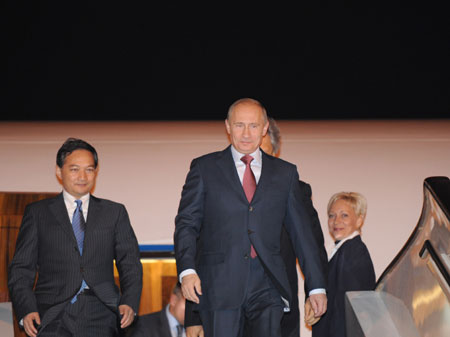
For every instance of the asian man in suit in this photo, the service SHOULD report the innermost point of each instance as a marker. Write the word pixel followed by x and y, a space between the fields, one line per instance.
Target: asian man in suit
pixel 168 322
pixel 71 242
pixel 228 231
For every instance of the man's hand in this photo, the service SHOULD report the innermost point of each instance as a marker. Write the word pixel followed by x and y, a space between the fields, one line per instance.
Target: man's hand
pixel 318 304
pixel 310 319
pixel 195 331
pixel 28 323
pixel 127 315
pixel 191 286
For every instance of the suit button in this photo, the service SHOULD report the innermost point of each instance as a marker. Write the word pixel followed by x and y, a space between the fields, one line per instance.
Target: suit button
pixel 250 231
pixel 250 208
pixel 246 256
pixel 82 270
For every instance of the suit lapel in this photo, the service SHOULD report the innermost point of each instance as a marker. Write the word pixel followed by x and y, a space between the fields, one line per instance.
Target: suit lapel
pixel 226 164
pixel 93 218
pixel 59 210
pixel 267 173
pixel 94 213
pixel 164 326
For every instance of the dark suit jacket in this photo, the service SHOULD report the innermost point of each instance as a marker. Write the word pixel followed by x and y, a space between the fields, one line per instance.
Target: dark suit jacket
pixel 290 324
pixel 215 226
pixel 350 269
pixel 151 325
pixel 46 244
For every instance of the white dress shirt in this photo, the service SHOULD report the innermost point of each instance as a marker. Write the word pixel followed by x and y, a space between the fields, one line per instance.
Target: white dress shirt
pixel 71 205
pixel 256 164
pixel 173 323
pixel 341 242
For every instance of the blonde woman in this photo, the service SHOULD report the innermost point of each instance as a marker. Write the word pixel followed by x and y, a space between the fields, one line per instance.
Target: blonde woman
pixel 350 267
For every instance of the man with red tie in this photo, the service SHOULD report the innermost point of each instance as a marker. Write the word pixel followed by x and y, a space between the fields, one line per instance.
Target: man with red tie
pixel 227 236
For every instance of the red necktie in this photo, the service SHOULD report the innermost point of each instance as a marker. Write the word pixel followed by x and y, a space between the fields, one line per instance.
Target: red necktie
pixel 249 184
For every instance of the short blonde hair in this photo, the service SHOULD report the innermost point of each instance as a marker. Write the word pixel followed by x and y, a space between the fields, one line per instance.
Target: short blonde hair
pixel 356 200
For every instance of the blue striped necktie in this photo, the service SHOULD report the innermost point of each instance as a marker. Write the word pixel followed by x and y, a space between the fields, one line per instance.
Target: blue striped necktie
pixel 179 330
pixel 79 225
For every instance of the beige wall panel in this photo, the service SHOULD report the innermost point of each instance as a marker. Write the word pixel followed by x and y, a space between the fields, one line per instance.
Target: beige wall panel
pixel 144 164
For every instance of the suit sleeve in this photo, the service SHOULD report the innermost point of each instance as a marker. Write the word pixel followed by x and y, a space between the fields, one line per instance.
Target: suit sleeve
pixel 355 272
pixel 128 261
pixel 147 325
pixel 317 229
pixel 137 329
pixel 191 317
pixel 358 272
pixel 22 270
pixel 300 228
pixel 189 219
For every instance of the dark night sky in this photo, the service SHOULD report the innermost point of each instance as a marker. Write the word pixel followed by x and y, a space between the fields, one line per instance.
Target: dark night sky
pixel 128 61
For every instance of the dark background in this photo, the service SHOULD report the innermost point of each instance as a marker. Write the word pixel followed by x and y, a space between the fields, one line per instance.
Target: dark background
pixel 142 61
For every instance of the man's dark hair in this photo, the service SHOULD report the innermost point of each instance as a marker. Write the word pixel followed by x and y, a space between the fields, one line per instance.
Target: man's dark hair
pixel 72 144
pixel 177 289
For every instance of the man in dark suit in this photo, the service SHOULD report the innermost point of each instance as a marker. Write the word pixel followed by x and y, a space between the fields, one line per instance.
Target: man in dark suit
pixel 165 323
pixel 290 323
pixel 228 232
pixel 75 293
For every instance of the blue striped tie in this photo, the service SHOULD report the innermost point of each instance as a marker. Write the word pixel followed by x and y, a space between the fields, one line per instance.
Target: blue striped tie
pixel 179 330
pixel 78 226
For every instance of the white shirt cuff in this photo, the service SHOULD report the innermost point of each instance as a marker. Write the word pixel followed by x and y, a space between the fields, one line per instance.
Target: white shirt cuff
pixel 317 291
pixel 186 272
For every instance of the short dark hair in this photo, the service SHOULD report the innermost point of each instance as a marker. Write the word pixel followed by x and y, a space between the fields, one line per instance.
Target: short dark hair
pixel 72 144
pixel 177 289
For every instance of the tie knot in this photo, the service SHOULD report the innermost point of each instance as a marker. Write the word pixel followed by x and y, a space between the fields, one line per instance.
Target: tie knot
pixel 79 203
pixel 247 159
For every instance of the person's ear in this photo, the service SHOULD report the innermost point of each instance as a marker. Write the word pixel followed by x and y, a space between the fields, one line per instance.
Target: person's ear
pixel 228 126
pixel 266 127
pixel 173 299
pixel 58 172
pixel 359 222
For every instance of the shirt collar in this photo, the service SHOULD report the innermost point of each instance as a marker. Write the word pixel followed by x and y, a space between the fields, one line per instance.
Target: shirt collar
pixel 256 156
pixel 70 199
pixel 351 236
pixel 171 318
pixel 336 247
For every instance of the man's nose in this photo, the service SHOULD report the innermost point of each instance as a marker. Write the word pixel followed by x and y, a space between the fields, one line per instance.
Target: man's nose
pixel 82 175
